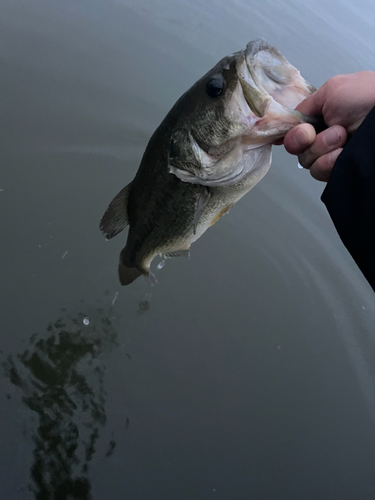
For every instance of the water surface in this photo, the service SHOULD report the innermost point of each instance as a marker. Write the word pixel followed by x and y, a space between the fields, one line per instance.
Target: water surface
pixel 249 372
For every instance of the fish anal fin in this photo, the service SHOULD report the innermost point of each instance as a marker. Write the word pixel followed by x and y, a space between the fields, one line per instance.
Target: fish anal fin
pixel 116 218
pixel 178 253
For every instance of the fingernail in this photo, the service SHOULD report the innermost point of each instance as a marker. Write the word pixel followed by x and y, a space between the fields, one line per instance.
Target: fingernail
pixel 331 136
pixel 301 139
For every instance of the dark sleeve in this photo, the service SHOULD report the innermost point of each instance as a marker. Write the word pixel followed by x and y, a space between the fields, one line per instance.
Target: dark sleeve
pixel 350 197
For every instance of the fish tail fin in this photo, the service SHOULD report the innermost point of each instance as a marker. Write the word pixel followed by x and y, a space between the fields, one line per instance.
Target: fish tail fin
pixel 128 274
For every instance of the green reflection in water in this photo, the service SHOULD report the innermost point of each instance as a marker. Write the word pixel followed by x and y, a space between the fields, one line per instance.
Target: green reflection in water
pixel 61 376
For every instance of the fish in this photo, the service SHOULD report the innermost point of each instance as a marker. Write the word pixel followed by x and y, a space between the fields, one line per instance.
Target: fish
pixel 212 148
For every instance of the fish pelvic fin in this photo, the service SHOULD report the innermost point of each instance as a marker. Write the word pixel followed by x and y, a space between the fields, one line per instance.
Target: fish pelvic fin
pixel 222 212
pixel 116 218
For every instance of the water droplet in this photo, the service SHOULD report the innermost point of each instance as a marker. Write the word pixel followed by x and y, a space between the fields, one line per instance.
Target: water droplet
pixel 161 264
pixel 115 298
pixel 86 321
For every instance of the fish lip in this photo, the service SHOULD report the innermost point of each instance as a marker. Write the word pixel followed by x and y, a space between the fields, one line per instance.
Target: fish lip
pixel 255 46
pixel 251 50
pixel 262 96
pixel 265 96
pixel 259 44
pixel 256 98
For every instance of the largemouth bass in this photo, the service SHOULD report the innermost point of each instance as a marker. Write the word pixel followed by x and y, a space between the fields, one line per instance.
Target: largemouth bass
pixel 212 147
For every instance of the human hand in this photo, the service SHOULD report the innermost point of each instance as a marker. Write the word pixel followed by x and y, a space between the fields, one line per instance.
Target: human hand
pixel 344 101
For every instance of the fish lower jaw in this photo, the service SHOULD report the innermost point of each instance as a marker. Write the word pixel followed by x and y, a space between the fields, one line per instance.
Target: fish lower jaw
pixel 271 128
pixel 276 122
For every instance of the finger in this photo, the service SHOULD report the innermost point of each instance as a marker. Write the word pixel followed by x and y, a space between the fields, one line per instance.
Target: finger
pixel 313 105
pixel 328 140
pixel 321 169
pixel 299 138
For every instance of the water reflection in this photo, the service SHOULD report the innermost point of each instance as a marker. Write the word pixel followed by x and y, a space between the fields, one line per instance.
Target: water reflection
pixel 144 304
pixel 61 376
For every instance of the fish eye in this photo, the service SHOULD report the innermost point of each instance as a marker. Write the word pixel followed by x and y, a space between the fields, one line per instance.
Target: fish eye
pixel 215 86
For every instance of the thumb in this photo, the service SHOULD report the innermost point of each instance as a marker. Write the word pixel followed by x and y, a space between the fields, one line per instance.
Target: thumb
pixel 312 105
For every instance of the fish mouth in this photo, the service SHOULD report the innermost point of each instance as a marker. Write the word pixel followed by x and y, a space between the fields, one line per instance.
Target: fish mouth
pixel 272 88
pixel 272 72
pixel 263 102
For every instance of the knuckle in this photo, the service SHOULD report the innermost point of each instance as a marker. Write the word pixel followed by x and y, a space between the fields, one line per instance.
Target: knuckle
pixel 336 81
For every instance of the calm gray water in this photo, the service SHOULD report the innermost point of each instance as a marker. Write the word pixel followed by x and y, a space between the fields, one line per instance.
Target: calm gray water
pixel 249 372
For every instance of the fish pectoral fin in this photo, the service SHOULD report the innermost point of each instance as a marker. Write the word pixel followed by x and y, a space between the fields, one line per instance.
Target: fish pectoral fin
pixel 116 218
pixel 202 200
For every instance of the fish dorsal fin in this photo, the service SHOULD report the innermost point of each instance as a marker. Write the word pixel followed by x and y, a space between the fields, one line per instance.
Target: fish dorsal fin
pixel 115 218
